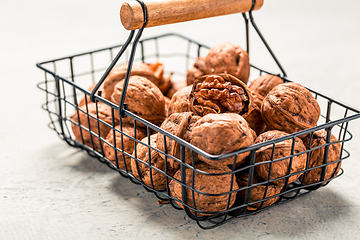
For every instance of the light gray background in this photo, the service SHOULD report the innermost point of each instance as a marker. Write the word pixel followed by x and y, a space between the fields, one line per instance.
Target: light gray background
pixel 51 191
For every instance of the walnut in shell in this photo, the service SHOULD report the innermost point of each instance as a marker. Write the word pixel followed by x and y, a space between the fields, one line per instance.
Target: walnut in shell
pixel 122 142
pixel 228 58
pixel 154 179
pixel 143 99
pixel 290 107
pixel 258 192
pixel 118 73
pixel 279 168
pixel 263 84
pixel 316 157
pixel 219 94
pixel 178 124
pixel 180 101
pixel 223 133
pixel 89 116
pixel 221 184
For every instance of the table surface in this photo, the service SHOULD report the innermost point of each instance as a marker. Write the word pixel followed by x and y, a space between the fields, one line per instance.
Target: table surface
pixel 49 190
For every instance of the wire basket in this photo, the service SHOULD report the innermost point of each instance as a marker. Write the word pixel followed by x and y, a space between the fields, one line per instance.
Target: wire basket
pixel 67 80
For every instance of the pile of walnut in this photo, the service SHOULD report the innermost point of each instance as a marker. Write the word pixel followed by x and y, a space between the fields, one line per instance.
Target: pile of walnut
pixel 219 113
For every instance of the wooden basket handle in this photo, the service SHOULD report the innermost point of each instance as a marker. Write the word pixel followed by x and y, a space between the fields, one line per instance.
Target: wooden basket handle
pixel 161 12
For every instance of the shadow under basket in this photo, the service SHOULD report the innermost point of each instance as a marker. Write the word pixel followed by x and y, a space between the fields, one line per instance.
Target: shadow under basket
pixel 67 80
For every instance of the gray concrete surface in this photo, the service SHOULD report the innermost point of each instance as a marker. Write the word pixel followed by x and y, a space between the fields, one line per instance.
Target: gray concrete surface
pixel 51 191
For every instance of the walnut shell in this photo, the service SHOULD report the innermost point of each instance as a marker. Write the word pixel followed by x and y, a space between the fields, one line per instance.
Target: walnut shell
pixel 122 142
pixel 263 84
pixel 258 193
pixel 228 58
pixel 291 108
pixel 222 133
pixel 281 149
pixel 143 99
pixel 165 85
pixel 220 93
pixel 180 101
pixel 316 157
pixel 196 71
pixel 141 171
pixel 254 118
pixel 220 186
pixel 164 82
pixel 118 73
pixel 176 124
pixel 89 117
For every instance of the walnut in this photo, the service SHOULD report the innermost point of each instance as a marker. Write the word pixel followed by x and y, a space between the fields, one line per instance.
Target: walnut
pixel 196 71
pixel 118 73
pixel 143 99
pixel 154 179
pixel 223 133
pixel 219 94
pixel 89 117
pixel 279 169
pixel 290 107
pixel 258 192
pixel 316 157
pixel 180 101
pixel 122 142
pixel 228 58
pixel 177 124
pixel 263 84
pixel 254 118
pixel 211 191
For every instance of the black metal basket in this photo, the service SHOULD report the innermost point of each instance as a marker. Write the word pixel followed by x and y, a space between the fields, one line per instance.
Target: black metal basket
pixel 67 80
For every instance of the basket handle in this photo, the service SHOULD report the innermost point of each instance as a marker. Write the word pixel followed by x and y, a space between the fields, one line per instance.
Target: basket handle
pixel 163 12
